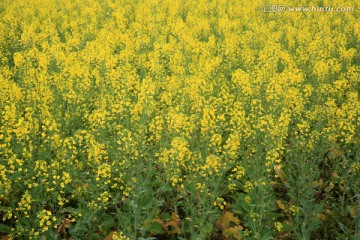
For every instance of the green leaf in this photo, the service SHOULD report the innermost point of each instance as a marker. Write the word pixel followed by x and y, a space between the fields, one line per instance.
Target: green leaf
pixel 78 231
pixel 68 210
pixel 5 209
pixel 244 204
pixel 154 228
pixel 147 202
pixel 106 222
pixel 127 205
pixel 239 203
pixel 5 228
pixel 266 234
pixel 166 217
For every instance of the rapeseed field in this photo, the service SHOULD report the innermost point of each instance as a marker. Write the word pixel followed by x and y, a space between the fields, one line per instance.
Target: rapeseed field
pixel 179 119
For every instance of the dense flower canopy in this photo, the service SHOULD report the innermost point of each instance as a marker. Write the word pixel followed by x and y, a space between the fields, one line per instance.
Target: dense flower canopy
pixel 176 119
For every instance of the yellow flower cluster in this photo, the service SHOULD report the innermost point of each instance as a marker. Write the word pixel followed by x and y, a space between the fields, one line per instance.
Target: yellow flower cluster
pixel 24 204
pixel 45 220
pixel 221 203
pixel 119 236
